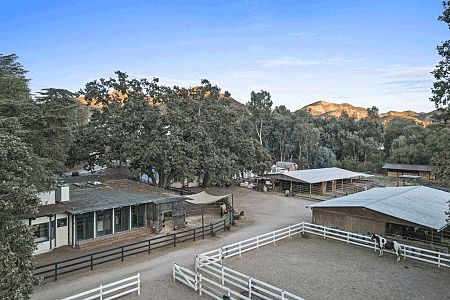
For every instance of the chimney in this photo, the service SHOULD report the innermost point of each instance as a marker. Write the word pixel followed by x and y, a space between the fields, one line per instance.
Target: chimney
pixel 62 193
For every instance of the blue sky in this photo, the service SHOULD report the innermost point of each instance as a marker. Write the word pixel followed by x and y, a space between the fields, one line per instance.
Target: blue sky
pixel 360 52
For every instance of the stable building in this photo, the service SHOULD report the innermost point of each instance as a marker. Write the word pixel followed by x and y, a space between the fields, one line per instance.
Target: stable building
pixel 317 181
pixel 409 171
pixel 81 212
pixel 414 213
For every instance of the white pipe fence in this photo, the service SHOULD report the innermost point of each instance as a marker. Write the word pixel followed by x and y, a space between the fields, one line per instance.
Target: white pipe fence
pixel 407 251
pixel 210 263
pixel 111 291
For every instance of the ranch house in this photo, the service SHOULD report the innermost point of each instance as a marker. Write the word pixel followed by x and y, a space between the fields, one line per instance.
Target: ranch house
pixel 79 213
pixel 413 213
pixel 405 171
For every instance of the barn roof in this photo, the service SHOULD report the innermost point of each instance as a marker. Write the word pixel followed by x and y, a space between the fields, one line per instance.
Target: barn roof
pixel 318 175
pixel 422 168
pixel 417 204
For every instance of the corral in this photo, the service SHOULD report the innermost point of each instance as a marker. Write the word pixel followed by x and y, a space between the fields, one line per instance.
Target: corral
pixel 321 271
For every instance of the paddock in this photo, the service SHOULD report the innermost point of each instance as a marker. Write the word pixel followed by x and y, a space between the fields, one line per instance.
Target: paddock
pixel 316 268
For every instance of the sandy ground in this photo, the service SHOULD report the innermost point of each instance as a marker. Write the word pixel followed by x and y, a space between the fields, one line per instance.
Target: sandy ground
pixel 317 268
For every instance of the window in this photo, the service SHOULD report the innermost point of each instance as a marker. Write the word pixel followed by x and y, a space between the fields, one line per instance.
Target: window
pixel 62 222
pixel 41 233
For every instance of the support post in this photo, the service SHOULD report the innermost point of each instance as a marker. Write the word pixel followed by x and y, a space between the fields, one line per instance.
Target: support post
pixel 92 262
pixel 101 292
pixel 203 226
pixel 199 284
pixel 56 271
pixel 149 246
pixel 139 284
pixel 250 288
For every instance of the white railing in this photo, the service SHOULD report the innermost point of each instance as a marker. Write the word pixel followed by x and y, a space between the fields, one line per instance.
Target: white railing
pixel 425 255
pixel 112 290
pixel 210 263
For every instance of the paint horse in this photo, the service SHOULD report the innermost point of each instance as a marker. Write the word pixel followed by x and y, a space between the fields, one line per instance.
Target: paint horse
pixel 382 243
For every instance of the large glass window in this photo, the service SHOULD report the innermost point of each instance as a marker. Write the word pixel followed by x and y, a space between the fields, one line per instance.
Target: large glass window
pixel 134 217
pixel 125 218
pixel 41 232
pixel 85 226
pixel 141 215
pixel 104 219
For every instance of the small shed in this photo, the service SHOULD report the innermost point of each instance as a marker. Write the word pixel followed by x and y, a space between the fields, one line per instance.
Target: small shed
pixel 398 170
pixel 413 212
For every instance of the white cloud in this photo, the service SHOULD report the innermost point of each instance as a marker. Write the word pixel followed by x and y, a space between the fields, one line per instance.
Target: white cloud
pixel 297 61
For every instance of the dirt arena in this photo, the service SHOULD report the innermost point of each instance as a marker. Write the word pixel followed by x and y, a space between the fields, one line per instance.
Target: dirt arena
pixel 317 268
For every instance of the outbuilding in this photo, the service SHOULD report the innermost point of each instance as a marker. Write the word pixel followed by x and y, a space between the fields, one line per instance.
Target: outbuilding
pixel 317 181
pixel 399 170
pixel 414 212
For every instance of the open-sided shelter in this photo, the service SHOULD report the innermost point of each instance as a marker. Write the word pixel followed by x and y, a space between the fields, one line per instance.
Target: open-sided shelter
pixel 314 181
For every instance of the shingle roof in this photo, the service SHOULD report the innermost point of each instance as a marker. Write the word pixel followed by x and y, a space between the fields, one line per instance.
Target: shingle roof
pixel 422 168
pixel 319 175
pixel 417 204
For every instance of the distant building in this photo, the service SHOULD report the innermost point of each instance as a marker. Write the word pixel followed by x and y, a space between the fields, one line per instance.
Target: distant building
pixel 88 211
pixel 283 166
pixel 314 181
pixel 397 170
pixel 414 212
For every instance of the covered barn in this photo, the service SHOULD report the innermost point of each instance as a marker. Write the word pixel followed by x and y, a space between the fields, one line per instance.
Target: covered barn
pixel 414 213
pixel 315 181
pixel 399 170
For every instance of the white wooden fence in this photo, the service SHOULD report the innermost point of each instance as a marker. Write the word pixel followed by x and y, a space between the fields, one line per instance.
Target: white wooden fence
pixel 111 291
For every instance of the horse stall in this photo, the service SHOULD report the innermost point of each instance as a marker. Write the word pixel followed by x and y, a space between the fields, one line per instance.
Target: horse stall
pixel 412 215
pixel 168 213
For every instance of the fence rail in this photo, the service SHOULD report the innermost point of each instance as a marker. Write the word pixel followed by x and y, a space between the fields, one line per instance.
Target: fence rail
pixel 407 251
pixel 89 261
pixel 111 291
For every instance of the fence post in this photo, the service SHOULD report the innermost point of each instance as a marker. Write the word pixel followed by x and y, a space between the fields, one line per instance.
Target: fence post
pixel 122 253
pixel 196 262
pixel 56 271
pixel 174 239
pixel 149 246
pixel 139 284
pixel 348 237
pixel 200 284
pixel 250 288
pixel 289 231
pixel 223 276
pixel 439 260
pixel 220 255
pixel 173 271
pixel 282 295
pixel 212 228
pixel 257 242
pixel 224 224
pixel 240 253
pixel 101 292
pixel 92 262
pixel 273 233
pixel 194 234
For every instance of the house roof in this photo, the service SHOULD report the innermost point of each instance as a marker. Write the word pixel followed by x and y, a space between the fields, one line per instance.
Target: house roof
pixel 317 175
pixel 112 194
pixel 423 168
pixel 416 204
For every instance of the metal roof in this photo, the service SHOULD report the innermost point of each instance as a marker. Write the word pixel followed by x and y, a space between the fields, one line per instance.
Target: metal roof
pixel 423 168
pixel 91 199
pixel 318 175
pixel 416 204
